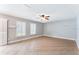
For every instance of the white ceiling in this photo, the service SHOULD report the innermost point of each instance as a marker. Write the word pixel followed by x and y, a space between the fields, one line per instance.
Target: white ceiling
pixel 32 11
pixel 56 12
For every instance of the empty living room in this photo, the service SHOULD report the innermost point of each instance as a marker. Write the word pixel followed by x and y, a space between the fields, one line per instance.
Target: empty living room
pixel 39 29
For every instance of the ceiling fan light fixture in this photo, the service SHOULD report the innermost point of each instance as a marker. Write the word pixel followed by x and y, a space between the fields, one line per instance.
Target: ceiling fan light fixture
pixel 44 17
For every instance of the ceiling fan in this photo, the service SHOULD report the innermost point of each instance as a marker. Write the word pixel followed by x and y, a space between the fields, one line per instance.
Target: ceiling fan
pixel 44 17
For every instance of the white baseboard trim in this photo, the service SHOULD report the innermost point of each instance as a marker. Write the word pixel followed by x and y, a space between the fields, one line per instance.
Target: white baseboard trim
pixel 59 37
pixel 77 44
pixel 35 36
pixel 3 44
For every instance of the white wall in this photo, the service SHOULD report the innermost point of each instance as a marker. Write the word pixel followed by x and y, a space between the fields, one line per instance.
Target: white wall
pixel 62 29
pixel 77 40
pixel 12 28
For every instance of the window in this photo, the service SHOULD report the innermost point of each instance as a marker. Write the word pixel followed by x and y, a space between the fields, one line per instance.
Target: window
pixel 32 28
pixel 20 28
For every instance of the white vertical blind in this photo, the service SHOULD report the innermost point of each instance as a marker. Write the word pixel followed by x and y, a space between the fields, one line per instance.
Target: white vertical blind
pixel 20 28
pixel 3 31
pixel 32 28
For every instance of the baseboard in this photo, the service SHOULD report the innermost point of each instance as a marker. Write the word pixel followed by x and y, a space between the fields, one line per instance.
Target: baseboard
pixel 59 37
pixel 35 36
pixel 77 44
pixel 3 44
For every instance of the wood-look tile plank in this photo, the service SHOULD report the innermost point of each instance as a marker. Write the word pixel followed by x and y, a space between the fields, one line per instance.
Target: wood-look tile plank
pixel 41 46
